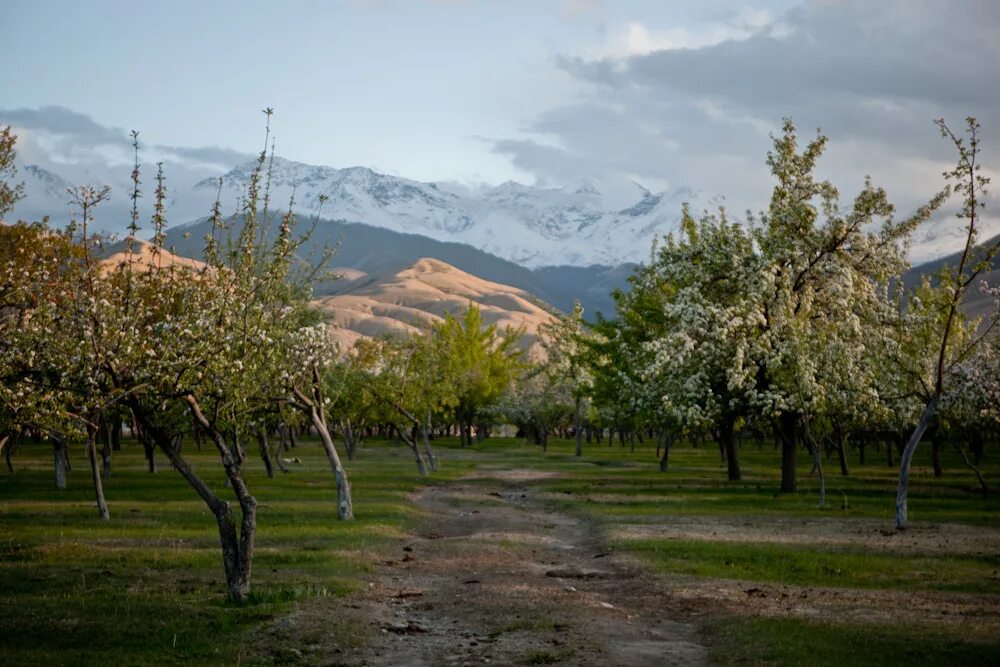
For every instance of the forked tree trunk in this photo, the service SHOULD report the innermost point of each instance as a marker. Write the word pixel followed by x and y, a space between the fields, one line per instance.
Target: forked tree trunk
pixel 237 539
pixel 95 473
pixel 236 536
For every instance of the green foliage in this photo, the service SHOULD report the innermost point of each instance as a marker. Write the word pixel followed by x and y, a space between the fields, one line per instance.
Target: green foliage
pixel 474 362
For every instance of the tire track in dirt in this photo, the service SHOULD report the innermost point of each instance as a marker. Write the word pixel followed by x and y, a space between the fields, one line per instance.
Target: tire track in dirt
pixel 497 575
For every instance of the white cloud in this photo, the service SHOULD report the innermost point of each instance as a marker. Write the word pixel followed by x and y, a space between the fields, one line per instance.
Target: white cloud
pixel 693 105
pixel 636 38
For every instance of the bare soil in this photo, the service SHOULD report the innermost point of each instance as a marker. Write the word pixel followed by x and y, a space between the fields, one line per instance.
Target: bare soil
pixel 498 574
pixel 495 575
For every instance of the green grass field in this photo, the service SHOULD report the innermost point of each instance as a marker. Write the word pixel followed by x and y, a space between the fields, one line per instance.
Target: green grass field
pixel 146 587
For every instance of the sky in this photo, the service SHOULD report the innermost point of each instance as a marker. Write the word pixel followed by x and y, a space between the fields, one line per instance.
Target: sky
pixel 546 92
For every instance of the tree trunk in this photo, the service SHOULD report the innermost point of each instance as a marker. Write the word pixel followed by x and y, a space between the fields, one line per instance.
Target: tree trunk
pixel 578 426
pixel 8 451
pixel 935 436
pixel 668 442
pixel 106 449
pixel 95 473
pixel 983 486
pixel 976 445
pixel 348 433
pixel 840 438
pixel 236 538
pixel 345 505
pixel 817 463
pixel 265 453
pixel 727 437
pixel 787 426
pixel 417 456
pixel 237 545
pixel 60 461
pixel 902 507
pixel 427 442
pixel 116 434
pixel 150 454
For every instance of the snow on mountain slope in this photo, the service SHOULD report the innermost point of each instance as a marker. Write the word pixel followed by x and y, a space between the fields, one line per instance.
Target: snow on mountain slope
pixel 581 225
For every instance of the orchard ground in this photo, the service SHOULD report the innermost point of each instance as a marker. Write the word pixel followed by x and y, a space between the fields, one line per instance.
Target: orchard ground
pixel 507 555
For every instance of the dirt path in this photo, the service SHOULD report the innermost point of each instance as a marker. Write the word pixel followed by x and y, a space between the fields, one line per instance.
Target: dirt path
pixel 498 576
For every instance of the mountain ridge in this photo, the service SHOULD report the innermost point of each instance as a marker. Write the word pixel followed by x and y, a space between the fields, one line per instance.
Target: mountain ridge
pixel 532 226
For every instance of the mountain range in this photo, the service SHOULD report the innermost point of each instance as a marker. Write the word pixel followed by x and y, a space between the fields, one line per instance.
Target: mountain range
pixel 590 223
pixel 579 242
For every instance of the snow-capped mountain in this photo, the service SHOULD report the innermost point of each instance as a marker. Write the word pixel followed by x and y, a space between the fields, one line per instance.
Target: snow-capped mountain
pixel 586 224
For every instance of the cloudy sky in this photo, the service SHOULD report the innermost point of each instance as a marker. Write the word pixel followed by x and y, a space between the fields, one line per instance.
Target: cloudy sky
pixel 669 94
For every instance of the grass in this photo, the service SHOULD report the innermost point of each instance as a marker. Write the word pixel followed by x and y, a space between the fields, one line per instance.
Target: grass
pixel 815 566
pixel 792 641
pixel 147 588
